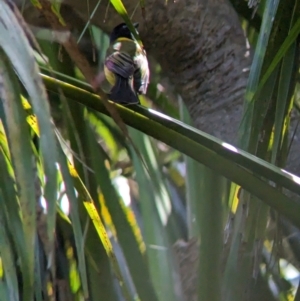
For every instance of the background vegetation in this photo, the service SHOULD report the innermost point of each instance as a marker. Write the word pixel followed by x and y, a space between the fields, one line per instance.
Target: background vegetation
pixel 105 202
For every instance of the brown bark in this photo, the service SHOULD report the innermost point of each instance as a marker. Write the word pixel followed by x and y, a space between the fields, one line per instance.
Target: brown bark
pixel 201 48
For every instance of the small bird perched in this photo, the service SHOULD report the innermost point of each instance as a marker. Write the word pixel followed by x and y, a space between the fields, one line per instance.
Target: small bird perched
pixel 126 71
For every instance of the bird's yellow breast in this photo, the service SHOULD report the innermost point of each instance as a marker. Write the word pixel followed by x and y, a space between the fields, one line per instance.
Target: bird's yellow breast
pixel 110 76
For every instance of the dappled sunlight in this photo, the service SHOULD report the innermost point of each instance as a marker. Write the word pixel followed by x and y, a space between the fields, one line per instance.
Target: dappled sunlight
pixel 163 204
pixel 43 203
pixel 123 188
pixel 289 271
pixel 63 199
pixel 154 112
pixel 148 202
pixel 65 204
pixel 181 166
pixel 162 200
pixel 293 177
pixel 230 147
pixel 160 88
pixel 156 247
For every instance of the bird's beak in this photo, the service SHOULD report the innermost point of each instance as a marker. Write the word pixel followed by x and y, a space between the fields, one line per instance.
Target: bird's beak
pixel 136 25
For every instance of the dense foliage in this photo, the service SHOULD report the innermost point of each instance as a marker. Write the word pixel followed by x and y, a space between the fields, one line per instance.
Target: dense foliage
pixel 107 202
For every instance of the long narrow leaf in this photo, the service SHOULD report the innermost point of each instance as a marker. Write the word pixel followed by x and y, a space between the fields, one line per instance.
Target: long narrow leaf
pixel 10 205
pixel 290 39
pixel 207 194
pixel 205 149
pixel 130 245
pixel 151 122
pixel 17 48
pixel 8 263
pixel 255 71
pixel 78 233
pixel 156 211
pixel 22 157
pixel 287 69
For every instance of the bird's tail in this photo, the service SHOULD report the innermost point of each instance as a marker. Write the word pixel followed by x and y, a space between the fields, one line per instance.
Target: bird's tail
pixel 123 91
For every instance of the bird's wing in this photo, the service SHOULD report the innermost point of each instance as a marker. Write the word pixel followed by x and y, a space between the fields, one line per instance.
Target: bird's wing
pixel 120 63
pixel 141 74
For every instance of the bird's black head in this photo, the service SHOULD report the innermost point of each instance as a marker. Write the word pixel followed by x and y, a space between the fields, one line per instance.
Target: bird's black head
pixel 122 31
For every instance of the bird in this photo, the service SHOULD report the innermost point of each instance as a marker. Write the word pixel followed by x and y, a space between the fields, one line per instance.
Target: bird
pixel 126 71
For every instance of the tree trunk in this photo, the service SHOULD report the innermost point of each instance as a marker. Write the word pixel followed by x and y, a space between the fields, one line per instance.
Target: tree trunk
pixel 201 48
